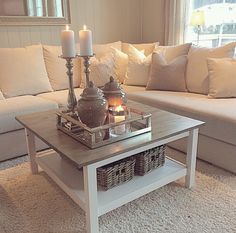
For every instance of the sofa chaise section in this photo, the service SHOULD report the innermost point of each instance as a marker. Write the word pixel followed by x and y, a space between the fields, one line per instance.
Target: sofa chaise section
pixel 12 137
pixel 219 131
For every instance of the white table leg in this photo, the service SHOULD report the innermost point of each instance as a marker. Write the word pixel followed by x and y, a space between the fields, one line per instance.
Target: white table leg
pixel 90 187
pixel 30 139
pixel 191 158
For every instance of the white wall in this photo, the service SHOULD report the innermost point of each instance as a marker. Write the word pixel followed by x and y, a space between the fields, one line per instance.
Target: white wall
pixel 110 20
pixel 153 20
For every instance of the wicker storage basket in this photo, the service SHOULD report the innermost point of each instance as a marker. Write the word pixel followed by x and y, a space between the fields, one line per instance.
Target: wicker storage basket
pixel 149 160
pixel 116 173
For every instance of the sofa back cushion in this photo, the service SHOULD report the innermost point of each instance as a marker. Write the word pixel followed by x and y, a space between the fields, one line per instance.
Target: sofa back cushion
pixel 23 71
pixel 197 72
pixel 147 48
pixel 167 76
pixel 101 50
pixel 56 68
pixel 222 77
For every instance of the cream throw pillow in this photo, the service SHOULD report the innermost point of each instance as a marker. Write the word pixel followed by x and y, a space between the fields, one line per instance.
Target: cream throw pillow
pixel 148 47
pixel 171 52
pixel 167 76
pixel 56 68
pixel 138 67
pixel 197 71
pixel 23 71
pixel 101 70
pixel 222 77
pixel 121 64
pixel 1 96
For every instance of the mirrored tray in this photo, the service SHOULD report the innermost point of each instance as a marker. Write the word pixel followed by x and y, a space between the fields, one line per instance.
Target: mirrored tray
pixel 135 124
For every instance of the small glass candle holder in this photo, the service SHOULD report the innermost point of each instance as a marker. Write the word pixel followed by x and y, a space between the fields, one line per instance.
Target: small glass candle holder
pixel 118 114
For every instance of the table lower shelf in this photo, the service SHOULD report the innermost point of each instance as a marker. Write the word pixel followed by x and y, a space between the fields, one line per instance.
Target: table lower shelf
pixel 70 179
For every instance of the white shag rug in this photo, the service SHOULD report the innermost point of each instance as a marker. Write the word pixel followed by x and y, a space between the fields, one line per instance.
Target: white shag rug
pixel 34 204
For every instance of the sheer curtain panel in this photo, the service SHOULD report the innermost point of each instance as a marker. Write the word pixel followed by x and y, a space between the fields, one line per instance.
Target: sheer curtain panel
pixel 176 13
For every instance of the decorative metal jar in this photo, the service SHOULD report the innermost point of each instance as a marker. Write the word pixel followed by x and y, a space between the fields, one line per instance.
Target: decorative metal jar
pixel 114 93
pixel 92 107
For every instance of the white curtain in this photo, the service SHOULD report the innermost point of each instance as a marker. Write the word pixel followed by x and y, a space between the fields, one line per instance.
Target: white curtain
pixel 176 14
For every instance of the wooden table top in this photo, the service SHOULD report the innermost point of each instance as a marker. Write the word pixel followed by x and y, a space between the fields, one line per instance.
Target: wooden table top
pixel 164 125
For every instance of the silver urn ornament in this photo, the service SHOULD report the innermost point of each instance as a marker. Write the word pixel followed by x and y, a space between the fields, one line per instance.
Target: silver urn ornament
pixel 92 107
pixel 114 93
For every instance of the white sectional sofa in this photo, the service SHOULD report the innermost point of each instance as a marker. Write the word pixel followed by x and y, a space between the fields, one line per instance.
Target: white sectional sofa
pixel 217 139
pixel 217 142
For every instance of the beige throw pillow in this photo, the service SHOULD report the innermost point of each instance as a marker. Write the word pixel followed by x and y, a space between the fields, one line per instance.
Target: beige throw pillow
pixel 23 71
pixel 138 67
pixel 222 77
pixel 197 71
pixel 167 76
pixel 171 52
pixel 56 68
pixel 101 70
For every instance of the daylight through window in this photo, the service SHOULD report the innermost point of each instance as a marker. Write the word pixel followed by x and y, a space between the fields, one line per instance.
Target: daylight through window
pixel 212 23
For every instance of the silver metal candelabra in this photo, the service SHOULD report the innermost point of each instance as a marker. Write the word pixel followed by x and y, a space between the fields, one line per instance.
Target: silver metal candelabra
pixel 86 67
pixel 71 101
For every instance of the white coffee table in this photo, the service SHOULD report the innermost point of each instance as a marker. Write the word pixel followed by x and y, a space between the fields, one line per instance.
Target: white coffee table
pixel 81 185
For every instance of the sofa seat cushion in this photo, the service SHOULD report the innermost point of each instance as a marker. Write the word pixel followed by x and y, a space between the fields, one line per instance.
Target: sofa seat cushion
pixel 60 97
pixel 219 114
pixel 129 89
pixel 12 107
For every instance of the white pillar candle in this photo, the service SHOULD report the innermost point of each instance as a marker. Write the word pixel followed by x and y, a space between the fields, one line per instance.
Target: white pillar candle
pixel 68 43
pixel 85 40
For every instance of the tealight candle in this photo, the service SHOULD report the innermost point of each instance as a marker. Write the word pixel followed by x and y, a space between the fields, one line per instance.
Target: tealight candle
pixel 85 40
pixel 118 117
pixel 68 43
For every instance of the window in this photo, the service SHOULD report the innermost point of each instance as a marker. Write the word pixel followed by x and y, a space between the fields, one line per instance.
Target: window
pixel 51 8
pixel 218 25
pixel 35 7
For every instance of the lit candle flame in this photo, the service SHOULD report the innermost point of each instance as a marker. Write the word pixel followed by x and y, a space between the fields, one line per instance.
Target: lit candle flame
pixel 85 27
pixel 119 108
pixel 67 27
